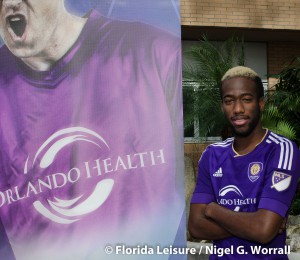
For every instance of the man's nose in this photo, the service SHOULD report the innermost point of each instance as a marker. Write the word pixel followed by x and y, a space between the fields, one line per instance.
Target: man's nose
pixel 238 107
pixel 11 3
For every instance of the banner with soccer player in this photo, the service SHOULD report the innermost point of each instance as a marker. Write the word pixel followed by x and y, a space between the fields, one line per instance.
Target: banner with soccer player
pixel 91 143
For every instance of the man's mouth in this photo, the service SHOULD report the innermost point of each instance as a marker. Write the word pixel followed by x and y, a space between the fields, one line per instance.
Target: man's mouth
pixel 239 121
pixel 17 23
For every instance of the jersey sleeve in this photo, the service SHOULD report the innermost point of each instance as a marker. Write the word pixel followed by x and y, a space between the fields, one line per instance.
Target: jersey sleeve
pixel 281 179
pixel 203 193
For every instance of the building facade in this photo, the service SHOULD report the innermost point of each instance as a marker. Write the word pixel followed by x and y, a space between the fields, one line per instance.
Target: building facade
pixel 273 24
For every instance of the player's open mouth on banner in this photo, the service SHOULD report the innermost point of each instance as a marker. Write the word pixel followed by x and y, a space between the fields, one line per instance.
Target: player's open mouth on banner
pixel 16 26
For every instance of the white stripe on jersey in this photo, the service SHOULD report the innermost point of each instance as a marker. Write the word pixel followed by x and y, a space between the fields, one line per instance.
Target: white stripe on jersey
pixel 273 139
pixel 287 155
pixel 281 155
pixel 292 155
pixel 286 151
pixel 225 143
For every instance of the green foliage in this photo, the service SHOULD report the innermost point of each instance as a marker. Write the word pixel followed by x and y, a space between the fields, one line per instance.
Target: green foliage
pixel 282 113
pixel 201 79
pixel 295 207
pixel 273 119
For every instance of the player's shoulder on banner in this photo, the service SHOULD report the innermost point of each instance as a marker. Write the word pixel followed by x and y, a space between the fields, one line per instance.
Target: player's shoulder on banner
pixel 135 32
pixel 286 153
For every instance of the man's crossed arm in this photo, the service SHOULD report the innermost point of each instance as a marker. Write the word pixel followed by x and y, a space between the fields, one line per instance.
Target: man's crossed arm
pixel 215 222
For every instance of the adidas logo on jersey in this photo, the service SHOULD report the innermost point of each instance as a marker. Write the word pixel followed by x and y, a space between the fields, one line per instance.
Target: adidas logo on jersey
pixel 218 173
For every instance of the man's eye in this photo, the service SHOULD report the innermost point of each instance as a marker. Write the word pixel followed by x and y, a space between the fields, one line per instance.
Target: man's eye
pixel 228 101
pixel 247 100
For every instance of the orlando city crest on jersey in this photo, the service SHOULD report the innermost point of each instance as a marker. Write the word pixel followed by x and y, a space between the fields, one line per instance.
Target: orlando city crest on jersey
pixel 254 171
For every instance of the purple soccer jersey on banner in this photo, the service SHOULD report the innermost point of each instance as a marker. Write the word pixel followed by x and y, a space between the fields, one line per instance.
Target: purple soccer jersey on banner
pixel 265 178
pixel 91 149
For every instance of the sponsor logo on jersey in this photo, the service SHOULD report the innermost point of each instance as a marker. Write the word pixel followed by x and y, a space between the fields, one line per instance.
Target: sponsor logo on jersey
pixel 237 202
pixel 218 173
pixel 281 181
pixel 254 171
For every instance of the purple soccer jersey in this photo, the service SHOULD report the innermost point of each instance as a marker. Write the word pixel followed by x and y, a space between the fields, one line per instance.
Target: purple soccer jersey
pixel 91 150
pixel 265 178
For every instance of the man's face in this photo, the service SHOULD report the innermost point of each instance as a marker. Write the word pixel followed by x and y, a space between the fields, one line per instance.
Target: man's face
pixel 26 26
pixel 241 105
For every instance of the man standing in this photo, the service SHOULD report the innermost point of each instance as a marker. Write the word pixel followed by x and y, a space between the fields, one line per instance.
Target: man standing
pixel 245 184
pixel 90 132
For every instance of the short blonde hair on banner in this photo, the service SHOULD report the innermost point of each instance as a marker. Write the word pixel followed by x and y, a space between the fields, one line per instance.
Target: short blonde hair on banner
pixel 240 71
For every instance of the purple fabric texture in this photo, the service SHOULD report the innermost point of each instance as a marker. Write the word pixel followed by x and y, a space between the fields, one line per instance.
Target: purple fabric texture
pixel 91 150
pixel 265 178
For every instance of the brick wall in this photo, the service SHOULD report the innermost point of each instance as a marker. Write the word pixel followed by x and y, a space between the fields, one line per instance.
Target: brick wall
pixel 268 14
pixel 194 151
pixel 280 54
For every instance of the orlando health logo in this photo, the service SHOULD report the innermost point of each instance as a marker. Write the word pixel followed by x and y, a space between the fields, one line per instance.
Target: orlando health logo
pixel 71 192
pixel 69 211
pixel 231 196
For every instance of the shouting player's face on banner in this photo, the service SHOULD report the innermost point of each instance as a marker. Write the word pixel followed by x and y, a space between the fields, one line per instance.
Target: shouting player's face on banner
pixel 26 26
pixel 241 105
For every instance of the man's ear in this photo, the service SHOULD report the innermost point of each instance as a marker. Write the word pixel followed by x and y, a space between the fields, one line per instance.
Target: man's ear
pixel 261 103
